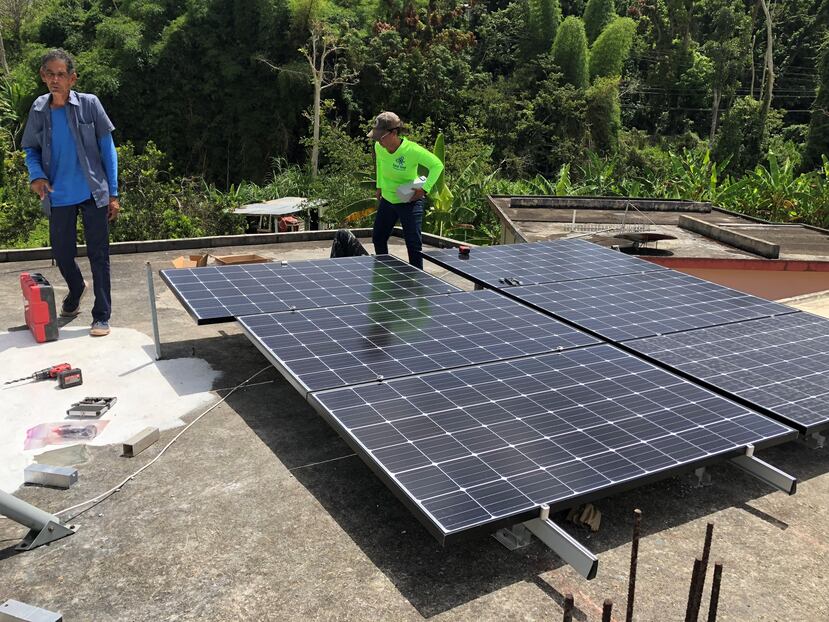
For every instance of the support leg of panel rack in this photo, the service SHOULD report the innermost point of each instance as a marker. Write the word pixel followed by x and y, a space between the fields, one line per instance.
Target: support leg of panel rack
pixel 563 544
pixel 765 472
pixel 153 311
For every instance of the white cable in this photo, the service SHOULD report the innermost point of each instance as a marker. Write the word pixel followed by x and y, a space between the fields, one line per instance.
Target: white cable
pixel 116 488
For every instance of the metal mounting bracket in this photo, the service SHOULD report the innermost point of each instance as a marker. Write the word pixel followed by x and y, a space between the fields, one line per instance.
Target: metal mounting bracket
pixel 765 472
pixel 703 477
pixel 43 527
pixel 559 541
pixel 515 537
pixel 815 440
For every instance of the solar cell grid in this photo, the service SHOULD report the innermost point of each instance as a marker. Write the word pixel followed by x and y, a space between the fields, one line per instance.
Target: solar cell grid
pixel 640 305
pixel 780 363
pixel 466 447
pixel 223 293
pixel 339 346
pixel 539 262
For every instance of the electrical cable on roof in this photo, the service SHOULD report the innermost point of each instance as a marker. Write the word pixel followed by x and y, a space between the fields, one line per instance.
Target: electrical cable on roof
pixel 97 499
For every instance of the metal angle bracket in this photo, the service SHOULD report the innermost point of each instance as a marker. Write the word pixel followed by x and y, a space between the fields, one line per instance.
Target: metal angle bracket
pixel 765 472
pixel 563 544
pixel 815 440
pixel 43 527
pixel 515 537
pixel 51 531
pixel 703 477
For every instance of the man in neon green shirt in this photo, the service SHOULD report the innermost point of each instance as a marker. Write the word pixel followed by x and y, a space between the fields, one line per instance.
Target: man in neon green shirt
pixel 398 160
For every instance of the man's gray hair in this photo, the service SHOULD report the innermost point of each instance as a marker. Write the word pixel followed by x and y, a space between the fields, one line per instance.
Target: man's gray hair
pixel 58 54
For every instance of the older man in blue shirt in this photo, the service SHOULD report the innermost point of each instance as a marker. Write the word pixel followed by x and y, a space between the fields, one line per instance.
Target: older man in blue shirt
pixel 73 168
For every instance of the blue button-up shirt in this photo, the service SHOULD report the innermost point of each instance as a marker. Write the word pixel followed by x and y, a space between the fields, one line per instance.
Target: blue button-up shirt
pixel 88 123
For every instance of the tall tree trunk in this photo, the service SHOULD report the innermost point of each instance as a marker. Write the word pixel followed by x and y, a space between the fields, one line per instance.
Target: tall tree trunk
pixel 751 60
pixel 315 144
pixel 714 113
pixel 769 66
pixel 3 54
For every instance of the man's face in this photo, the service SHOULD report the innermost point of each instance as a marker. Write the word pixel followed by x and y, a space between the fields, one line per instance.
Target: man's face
pixel 57 79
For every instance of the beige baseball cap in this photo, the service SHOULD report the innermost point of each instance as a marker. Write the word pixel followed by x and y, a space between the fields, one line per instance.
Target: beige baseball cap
pixel 384 123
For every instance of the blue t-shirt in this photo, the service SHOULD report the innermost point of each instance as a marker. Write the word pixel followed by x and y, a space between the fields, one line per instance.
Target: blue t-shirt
pixel 69 185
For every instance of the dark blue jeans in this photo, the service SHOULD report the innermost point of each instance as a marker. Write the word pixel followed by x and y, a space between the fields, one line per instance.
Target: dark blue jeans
pixel 63 231
pixel 411 219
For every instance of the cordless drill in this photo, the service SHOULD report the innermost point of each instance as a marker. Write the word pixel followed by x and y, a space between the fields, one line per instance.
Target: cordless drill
pixel 66 375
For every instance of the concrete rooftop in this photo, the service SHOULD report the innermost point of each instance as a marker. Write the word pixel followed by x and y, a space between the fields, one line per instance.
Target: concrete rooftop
pixel 261 512
pixel 533 219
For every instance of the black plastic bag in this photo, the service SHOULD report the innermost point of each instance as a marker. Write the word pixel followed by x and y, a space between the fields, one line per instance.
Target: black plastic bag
pixel 347 245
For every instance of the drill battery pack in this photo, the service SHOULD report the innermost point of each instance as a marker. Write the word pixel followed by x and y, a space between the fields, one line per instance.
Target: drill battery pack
pixel 39 306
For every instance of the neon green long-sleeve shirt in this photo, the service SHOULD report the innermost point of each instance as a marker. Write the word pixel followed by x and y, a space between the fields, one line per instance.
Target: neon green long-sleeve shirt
pixel 400 167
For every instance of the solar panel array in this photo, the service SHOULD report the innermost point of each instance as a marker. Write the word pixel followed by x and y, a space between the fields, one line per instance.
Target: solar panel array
pixel 779 363
pixel 472 407
pixel 339 346
pixel 629 306
pixel 471 446
pixel 539 262
pixel 223 293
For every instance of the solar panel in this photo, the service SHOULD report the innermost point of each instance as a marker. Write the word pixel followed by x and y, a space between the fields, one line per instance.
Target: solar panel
pixel 338 346
pixel 641 305
pixel 223 293
pixel 539 262
pixel 471 448
pixel 780 364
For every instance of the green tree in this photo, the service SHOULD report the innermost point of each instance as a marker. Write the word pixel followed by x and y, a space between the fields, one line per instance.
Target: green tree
pixel 729 33
pixel 543 20
pixel 503 40
pixel 604 114
pixel 570 51
pixel 612 48
pixel 597 15
pixel 817 141
pixel 215 112
pixel 551 129
pixel 741 135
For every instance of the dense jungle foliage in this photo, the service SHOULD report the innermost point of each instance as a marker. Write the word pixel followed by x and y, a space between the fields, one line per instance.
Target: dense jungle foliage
pixel 214 103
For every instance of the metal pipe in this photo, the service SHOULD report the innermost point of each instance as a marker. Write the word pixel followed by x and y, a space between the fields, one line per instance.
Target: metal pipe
pixel 634 561
pixel 692 590
pixel 715 593
pixel 43 527
pixel 153 311
pixel 21 512
pixel 607 610
pixel 568 608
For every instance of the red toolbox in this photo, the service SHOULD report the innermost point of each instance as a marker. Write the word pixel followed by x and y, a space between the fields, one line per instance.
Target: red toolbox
pixel 39 306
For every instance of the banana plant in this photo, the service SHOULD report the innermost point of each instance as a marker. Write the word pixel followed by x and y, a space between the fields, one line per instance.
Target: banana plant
pixel 440 216
pixel 362 208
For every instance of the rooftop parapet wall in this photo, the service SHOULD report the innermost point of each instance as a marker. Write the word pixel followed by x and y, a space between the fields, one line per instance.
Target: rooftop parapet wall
pixel 611 203
pixel 150 246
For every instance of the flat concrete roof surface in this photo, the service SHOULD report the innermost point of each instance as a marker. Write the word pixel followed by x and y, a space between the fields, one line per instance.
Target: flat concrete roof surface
pixel 542 222
pixel 261 512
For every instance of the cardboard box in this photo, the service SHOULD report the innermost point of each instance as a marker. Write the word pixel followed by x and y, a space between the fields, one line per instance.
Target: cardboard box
pixel 230 260
pixel 190 261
